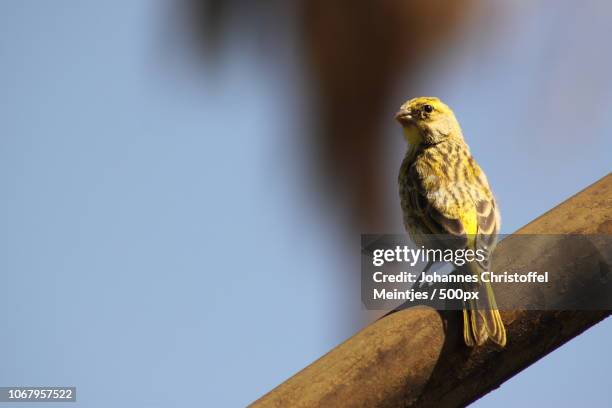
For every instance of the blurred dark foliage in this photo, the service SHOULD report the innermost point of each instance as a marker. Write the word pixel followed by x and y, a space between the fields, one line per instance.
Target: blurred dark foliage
pixel 357 53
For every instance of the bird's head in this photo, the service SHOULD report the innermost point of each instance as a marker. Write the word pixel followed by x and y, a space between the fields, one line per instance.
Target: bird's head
pixel 427 121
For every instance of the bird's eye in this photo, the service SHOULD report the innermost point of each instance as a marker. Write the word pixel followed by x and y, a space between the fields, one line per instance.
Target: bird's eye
pixel 428 108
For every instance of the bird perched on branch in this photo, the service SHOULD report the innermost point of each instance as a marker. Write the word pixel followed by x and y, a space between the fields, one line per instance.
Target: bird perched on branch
pixel 444 192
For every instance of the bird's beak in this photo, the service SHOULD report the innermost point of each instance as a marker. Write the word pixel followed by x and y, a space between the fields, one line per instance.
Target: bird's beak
pixel 404 116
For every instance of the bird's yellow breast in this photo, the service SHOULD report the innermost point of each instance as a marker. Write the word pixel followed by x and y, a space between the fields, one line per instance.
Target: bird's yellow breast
pixel 412 135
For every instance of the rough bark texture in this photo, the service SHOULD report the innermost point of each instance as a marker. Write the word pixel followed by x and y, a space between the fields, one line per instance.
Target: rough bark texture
pixel 415 357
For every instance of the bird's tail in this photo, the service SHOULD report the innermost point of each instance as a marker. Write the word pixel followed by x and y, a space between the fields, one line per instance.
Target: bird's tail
pixel 481 319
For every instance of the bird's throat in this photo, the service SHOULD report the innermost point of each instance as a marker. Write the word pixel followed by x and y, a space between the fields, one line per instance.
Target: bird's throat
pixel 413 135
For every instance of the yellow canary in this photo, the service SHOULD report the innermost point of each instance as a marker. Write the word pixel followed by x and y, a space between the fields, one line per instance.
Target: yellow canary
pixel 444 191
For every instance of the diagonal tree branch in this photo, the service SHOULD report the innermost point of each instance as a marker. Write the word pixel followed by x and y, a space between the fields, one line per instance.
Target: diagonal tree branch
pixel 416 358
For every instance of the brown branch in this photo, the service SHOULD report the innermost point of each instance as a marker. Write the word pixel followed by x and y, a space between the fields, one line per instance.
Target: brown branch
pixel 415 357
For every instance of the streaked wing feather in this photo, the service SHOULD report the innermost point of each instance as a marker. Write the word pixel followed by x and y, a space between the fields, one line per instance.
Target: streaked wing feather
pixel 437 222
pixel 487 228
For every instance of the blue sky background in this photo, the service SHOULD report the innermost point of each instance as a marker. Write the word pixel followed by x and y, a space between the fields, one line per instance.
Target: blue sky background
pixel 158 250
